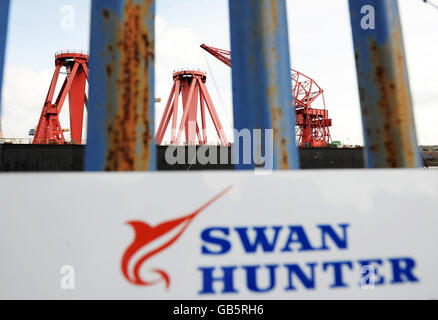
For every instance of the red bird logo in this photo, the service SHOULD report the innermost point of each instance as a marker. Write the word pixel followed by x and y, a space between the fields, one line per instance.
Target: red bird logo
pixel 149 241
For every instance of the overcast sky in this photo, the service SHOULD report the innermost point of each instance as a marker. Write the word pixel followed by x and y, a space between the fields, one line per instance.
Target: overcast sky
pixel 320 44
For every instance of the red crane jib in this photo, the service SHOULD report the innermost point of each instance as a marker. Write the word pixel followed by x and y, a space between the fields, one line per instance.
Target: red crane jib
pixel 312 124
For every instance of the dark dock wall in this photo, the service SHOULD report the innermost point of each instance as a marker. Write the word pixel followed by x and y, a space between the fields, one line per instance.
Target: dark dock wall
pixel 29 157
pixel 24 157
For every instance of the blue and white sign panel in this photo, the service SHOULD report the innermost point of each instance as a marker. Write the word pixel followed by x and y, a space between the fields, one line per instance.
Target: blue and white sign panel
pixel 234 235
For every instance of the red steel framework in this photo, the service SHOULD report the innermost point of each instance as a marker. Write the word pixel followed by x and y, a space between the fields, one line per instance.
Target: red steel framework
pixel 191 85
pixel 49 129
pixel 312 124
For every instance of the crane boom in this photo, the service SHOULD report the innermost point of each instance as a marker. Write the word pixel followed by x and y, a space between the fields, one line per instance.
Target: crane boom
pixel 222 55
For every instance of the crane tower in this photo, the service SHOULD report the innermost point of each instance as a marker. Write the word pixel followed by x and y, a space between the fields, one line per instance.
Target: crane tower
pixel 49 129
pixel 312 124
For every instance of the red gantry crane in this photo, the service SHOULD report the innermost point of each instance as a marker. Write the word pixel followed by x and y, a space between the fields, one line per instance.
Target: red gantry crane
pixel 190 85
pixel 312 124
pixel 49 129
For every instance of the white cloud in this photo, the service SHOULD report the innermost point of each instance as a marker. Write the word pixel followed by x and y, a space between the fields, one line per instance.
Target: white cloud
pixel 24 91
pixel 419 23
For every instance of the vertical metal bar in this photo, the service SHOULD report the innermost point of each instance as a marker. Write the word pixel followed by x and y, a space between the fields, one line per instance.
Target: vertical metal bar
pixel 66 88
pixel 52 87
pixel 204 128
pixel 4 13
pixel 386 103
pixel 213 114
pixel 184 124
pixel 175 111
pixel 121 107
pixel 262 94
pixel 161 127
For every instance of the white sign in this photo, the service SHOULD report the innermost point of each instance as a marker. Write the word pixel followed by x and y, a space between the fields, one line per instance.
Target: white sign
pixel 355 234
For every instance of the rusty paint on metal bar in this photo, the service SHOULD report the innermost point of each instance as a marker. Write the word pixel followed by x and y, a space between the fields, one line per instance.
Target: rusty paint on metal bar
pixel 121 107
pixel 262 94
pixel 4 13
pixel 386 103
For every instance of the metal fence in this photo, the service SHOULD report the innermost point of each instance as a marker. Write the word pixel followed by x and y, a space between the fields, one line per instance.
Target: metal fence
pixel 122 56
pixel 16 140
pixel 69 51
